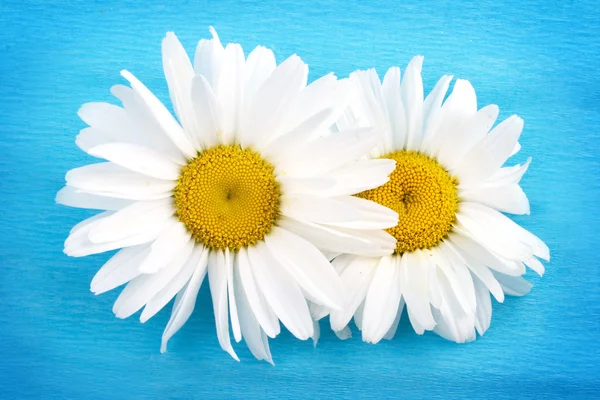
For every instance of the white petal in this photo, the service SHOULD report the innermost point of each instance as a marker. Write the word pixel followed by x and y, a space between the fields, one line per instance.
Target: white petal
pixel 108 122
pixel 535 265
pixel 344 211
pixel 274 95
pixel 356 277
pixel 144 127
pixel 207 111
pixel 307 266
pixel 458 276
pixel 136 218
pixel 415 289
pixel 231 263
pixel 344 333
pixel 325 93
pixel 179 73
pixel 482 272
pixel 259 66
pixel 392 331
pixel 458 109
pixel 266 318
pixel 480 253
pixel 491 237
pixel 115 181
pixel 390 89
pixel 281 292
pixel 78 244
pixel 217 278
pixel 487 156
pixel 184 305
pixel 359 176
pixel 137 158
pixel 168 245
pixel 465 135
pixel 484 307
pixel 254 336
pixel 208 58
pixel 509 175
pixel 510 198
pixel 327 153
pixel 508 227
pixel 229 91
pixel 197 260
pixel 339 240
pixel 142 289
pixel 513 285
pixel 120 269
pixel 431 110
pixel 71 197
pixel 164 118
pixel 382 301
pixel 412 99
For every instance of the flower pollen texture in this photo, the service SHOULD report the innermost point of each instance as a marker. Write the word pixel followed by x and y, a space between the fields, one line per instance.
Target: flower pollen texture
pixel 227 197
pixel 425 197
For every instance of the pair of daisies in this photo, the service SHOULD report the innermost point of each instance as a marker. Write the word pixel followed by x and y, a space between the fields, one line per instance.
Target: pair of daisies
pixel 353 198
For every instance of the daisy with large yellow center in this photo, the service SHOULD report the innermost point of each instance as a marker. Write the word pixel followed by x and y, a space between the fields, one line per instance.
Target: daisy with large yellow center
pixel 247 187
pixel 454 245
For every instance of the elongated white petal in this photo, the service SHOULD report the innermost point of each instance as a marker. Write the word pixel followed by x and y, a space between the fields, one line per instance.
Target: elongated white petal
pixel 412 99
pixel 184 305
pixel 415 289
pixel 71 197
pixel 356 278
pixel 307 266
pixel 198 259
pixel 164 118
pixel 167 246
pixel 510 198
pixel 265 317
pixel 513 285
pixel 325 154
pixel 392 331
pixel 340 240
pixel 487 156
pixel 136 218
pixel 231 263
pixel 119 269
pixel 229 90
pixel 254 336
pixel 140 290
pixel 217 278
pixel 484 307
pixel 278 90
pixel 343 211
pixel 118 182
pixel 392 96
pixel 209 58
pixel 137 158
pixel 382 300
pixel 281 292
pixel 179 74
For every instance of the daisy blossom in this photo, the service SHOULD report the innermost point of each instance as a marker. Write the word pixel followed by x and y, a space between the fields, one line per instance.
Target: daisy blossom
pixel 246 186
pixel 454 245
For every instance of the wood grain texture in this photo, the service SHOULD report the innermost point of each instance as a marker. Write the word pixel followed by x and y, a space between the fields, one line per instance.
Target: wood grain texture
pixel 538 59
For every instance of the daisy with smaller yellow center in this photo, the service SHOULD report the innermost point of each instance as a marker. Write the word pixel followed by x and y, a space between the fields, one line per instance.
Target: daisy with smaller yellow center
pixel 454 245
pixel 248 187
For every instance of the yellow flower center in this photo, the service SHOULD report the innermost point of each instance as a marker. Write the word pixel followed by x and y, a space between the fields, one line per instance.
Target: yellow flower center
pixel 425 197
pixel 227 197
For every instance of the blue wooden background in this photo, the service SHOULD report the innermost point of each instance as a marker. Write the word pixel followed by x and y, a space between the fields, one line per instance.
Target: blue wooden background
pixel 538 59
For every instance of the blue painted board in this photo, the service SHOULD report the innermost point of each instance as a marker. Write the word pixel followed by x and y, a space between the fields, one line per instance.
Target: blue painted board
pixel 535 58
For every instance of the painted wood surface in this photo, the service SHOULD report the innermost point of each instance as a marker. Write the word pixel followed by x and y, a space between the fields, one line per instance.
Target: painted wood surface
pixel 534 58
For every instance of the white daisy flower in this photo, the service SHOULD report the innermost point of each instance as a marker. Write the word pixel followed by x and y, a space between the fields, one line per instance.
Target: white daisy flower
pixel 454 245
pixel 246 187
